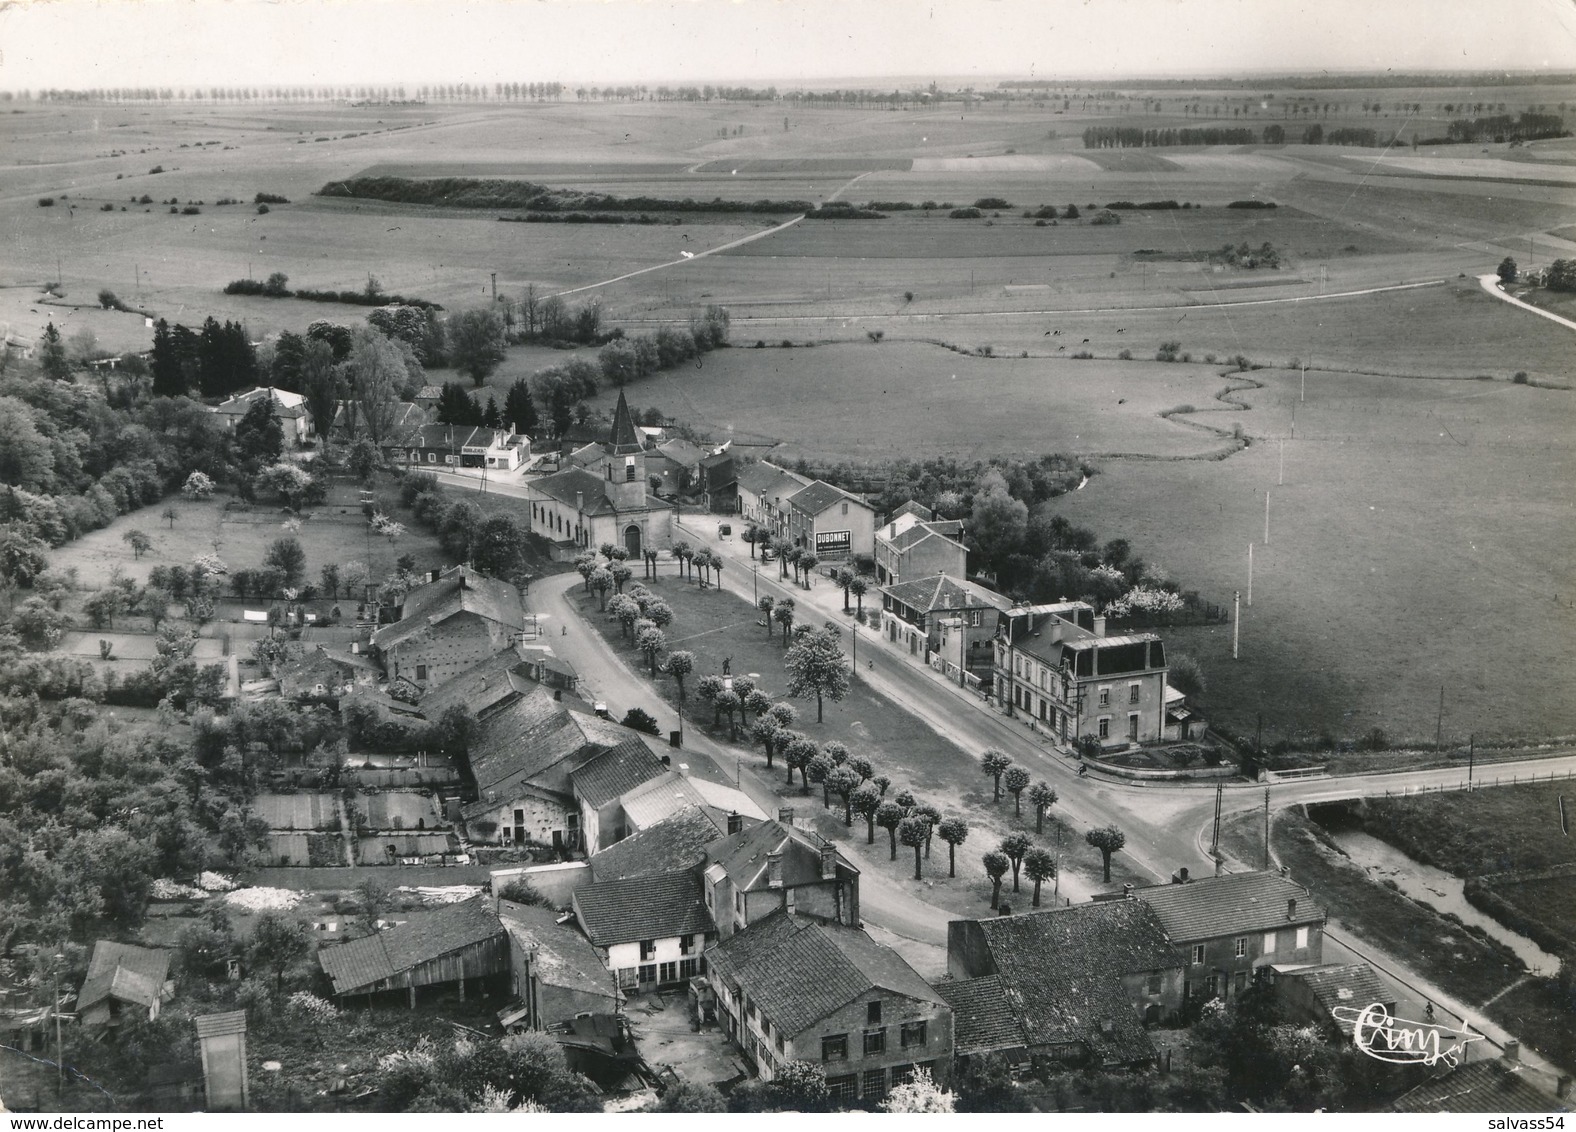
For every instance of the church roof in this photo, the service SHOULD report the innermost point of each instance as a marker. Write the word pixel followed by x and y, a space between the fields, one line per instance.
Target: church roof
pixel 624 439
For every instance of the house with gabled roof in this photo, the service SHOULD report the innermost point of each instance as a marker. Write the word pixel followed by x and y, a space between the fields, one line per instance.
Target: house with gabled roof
pixel 555 973
pixel 124 981
pixel 1082 981
pixel 662 797
pixel 795 988
pixel 600 785
pixel 836 525
pixel 609 501
pixel 486 687
pixel 764 492
pixel 751 873
pixel 1056 664
pixel 520 763
pixel 984 1021
pixel 676 842
pixel 462 943
pixel 448 625
pixel 649 931
pixel 915 544
pixel 947 622
pixel 1319 994
pixel 1499 1085
pixel 424 445
pixel 291 409
pixel 403 426
pixel 1230 926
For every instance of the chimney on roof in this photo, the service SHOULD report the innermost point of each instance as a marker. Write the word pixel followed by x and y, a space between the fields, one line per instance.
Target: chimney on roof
pixel 1512 1052
pixel 1056 629
pixel 666 760
pixel 785 814
pixel 774 870
pixel 1180 876
pixel 828 861
pixel 1099 625
pixel 1291 908
pixel 735 822
pixel 1127 891
pixel 580 501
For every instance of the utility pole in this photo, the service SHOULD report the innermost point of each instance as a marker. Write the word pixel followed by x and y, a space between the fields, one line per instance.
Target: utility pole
pixel 1439 723
pixel 1266 517
pixel 1471 756
pixel 1266 829
pixel 1214 844
pixel 495 286
pixel 1281 482
pixel 1304 396
pixel 1236 622
pixel 1250 575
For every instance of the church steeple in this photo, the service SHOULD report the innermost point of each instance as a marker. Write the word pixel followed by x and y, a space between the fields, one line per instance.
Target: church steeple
pixel 623 440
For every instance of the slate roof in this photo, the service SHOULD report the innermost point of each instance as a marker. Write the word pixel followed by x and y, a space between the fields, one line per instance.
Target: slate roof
pixel 564 957
pixel 915 508
pixel 914 533
pixel 566 486
pixel 820 495
pixel 287 405
pixel 529 740
pixel 1061 970
pixel 677 842
pixel 483 687
pixel 654 801
pixel 1353 985
pixel 682 452
pixel 361 963
pixel 941 592
pixel 743 855
pixel 983 1021
pixel 126 972
pixel 1235 904
pixel 623 439
pixel 616 772
pixel 1480 1086
pixel 768 480
pixel 648 907
pixel 800 970
pixel 458 590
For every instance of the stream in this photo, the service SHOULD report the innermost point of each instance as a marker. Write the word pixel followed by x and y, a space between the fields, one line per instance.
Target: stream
pixel 1437 888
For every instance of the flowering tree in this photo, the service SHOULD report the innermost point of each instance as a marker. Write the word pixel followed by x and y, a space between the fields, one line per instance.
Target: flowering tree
pixel 919 1094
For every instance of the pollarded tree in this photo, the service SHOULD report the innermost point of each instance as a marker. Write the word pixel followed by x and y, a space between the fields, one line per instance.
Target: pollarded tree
pixel 1042 796
pixel 996 865
pixel 816 771
pixel 1016 780
pixel 783 615
pixel 681 554
pixel 817 667
pixel 766 731
pixel 476 343
pixel 1039 866
pixel 836 751
pixel 845 578
pixel 866 800
pixel 701 562
pixel 932 818
pixel 797 754
pixel 843 782
pixel 1015 846
pixel 680 665
pixel 622 573
pixel 757 703
pixel 626 609
pixel 652 641
pixel 889 815
pixel 865 769
pixel 765 606
pixel 658 612
pixel 707 689
pixel 728 704
pixel 859 587
pixel 1107 839
pixel 914 831
pixel 585 566
pixel 995 764
pixel 601 581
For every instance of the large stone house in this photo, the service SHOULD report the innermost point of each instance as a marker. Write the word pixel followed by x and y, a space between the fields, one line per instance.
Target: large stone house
pixel 794 988
pixel 448 625
pixel 649 931
pixel 441 446
pixel 1228 927
pixel 291 408
pixel 1055 664
pixel 836 525
pixel 608 501
pixel 947 622
pixel 915 544
pixel 754 872
pixel 764 492
pixel 1081 982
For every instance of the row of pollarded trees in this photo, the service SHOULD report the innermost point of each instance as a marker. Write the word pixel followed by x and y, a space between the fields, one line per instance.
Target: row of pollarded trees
pixel 1017 851
pixel 802 559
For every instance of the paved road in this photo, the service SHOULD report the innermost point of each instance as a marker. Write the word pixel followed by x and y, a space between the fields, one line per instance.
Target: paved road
pixel 1490 283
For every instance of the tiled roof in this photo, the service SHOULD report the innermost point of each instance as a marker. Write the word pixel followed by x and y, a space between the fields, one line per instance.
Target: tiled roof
pixel 677 842
pixel 1353 985
pixel 648 907
pixel 575 487
pixel 361 963
pixel 915 508
pixel 458 590
pixel 287 405
pixel 482 687
pixel 531 740
pixel 799 970
pixel 820 495
pixel 585 455
pixel 682 452
pixel 1235 904
pixel 124 971
pixel 662 797
pixel 768 480
pixel 917 533
pixel 615 772
pixel 941 592
pixel 1062 969
pixel 1480 1086
pixel 983 1021
pixel 564 957
pixel 429 393
pixel 743 855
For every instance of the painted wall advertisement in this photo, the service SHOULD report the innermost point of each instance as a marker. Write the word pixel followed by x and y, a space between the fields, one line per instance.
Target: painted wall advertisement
pixel 833 542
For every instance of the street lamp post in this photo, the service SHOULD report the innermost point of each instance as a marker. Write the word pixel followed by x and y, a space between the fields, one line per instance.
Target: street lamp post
pixel 856 650
pixel 755 572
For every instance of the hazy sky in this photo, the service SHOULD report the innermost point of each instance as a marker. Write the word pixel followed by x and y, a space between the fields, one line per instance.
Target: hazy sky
pixel 80 43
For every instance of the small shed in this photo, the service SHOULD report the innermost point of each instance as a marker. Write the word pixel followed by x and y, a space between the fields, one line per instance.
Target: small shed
pixel 459 943
pixel 124 980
